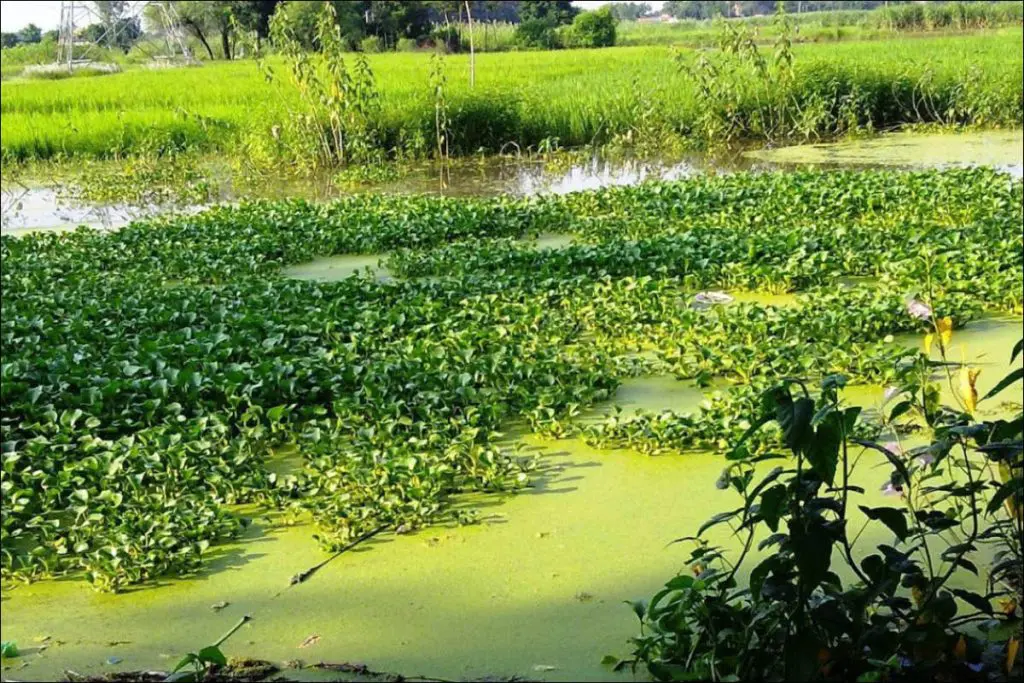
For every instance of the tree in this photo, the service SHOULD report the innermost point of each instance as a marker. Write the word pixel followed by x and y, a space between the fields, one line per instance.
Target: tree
pixel 552 11
pixel 221 17
pixel 594 29
pixel 254 15
pixel 393 20
pixel 193 17
pixel 537 33
pixel 117 29
pixel 696 9
pixel 8 39
pixel 299 17
pixel 30 34
pixel 110 10
pixel 630 11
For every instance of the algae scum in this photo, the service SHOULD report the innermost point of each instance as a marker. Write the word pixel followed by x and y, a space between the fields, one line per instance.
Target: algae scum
pixel 198 409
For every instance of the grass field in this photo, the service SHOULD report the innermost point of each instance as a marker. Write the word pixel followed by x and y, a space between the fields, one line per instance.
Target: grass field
pixel 838 25
pixel 575 96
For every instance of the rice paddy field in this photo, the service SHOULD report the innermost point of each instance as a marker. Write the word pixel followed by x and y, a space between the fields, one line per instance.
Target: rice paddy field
pixel 573 97
pixel 772 404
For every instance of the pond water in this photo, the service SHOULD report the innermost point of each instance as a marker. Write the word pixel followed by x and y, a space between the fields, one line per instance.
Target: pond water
pixel 27 209
pixel 45 208
pixel 535 590
pixel 331 268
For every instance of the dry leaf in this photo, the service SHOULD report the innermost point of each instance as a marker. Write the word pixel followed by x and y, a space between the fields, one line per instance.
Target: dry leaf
pixel 961 648
pixel 944 326
pixel 968 390
pixel 311 640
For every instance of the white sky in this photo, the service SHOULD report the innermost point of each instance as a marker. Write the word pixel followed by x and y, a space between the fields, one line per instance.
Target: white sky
pixel 16 14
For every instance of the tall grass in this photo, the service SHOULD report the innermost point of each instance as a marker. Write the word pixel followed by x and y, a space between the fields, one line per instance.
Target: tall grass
pixel 574 96
pixel 875 24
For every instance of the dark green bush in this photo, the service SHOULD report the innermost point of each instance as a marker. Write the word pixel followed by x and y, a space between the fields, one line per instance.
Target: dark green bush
pixel 537 34
pixel 592 29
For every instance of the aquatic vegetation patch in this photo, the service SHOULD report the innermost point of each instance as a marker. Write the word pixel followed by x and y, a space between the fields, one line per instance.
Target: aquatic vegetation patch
pixel 148 374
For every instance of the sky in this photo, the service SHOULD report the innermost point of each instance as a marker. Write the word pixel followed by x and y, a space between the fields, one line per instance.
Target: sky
pixel 16 14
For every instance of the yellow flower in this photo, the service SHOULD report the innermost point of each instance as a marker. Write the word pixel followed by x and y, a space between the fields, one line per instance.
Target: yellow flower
pixel 968 390
pixel 928 339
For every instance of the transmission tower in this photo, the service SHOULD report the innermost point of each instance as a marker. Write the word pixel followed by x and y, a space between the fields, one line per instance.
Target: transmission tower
pixel 75 16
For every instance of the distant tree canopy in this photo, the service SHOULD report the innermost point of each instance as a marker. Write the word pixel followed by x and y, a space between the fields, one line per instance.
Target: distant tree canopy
pixel 30 34
pixel 708 9
pixel 386 21
pixel 116 28
pixel 206 18
pixel 630 11
pixel 551 11
pixel 121 33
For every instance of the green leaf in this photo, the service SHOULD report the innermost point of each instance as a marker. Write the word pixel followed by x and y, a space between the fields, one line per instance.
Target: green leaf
pixel 9 649
pixel 893 460
pixel 212 655
pixel 899 409
pixel 801 656
pixel 772 504
pixel 639 608
pixel 759 573
pixel 720 518
pixel 823 450
pixel 1014 376
pixel 974 600
pixel 894 518
pixel 812 549
pixel 794 417
pixel 1013 487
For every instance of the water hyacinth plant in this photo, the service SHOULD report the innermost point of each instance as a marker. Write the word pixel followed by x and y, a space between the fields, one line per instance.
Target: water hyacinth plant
pixel 151 375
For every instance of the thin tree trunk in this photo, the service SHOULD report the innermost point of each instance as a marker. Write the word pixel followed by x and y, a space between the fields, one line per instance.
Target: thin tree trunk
pixel 225 42
pixel 472 50
pixel 199 34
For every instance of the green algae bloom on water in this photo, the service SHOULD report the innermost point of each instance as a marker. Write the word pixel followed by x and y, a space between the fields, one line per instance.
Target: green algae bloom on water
pixel 1001 149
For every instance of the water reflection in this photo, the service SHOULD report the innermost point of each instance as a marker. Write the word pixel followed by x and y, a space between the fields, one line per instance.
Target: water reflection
pixel 45 208
pixel 27 209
